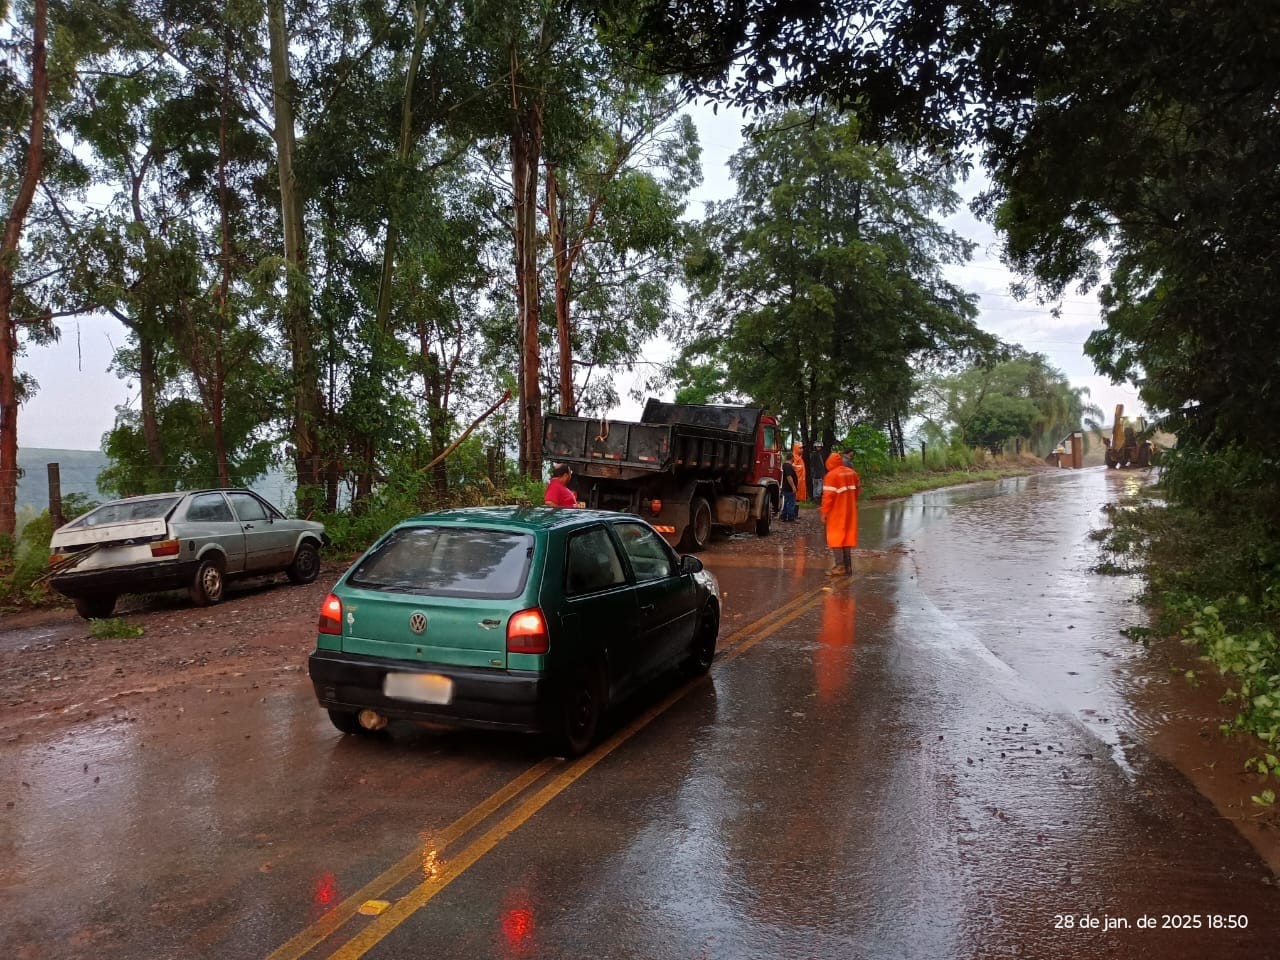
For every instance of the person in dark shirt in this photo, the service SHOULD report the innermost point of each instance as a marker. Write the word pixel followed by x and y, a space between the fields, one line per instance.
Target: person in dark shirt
pixel 817 469
pixel 790 486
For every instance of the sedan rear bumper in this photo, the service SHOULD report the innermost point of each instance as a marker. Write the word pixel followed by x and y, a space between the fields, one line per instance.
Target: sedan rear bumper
pixel 488 699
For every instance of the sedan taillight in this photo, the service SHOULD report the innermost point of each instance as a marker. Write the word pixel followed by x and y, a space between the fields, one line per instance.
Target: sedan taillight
pixel 527 632
pixel 331 616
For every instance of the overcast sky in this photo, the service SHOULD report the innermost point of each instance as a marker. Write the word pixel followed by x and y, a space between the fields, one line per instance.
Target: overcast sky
pixel 76 401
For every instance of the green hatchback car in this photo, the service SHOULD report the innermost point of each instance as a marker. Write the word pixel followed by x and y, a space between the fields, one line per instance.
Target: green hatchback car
pixel 531 619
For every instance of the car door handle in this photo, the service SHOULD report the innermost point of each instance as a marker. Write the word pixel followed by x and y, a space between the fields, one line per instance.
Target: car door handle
pixel 646 608
pixel 248 526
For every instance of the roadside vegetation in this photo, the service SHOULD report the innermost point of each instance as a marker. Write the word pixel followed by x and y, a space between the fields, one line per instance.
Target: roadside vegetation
pixel 1207 542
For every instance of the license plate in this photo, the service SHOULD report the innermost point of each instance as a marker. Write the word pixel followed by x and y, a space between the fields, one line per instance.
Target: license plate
pixel 418 687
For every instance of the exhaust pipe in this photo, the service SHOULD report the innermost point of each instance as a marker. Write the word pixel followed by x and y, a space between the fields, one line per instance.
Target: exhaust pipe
pixel 371 720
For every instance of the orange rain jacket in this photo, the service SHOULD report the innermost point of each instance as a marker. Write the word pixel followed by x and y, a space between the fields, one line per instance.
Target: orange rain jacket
pixel 797 461
pixel 840 503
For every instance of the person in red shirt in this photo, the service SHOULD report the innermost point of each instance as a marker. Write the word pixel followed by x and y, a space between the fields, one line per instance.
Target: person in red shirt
pixel 840 511
pixel 558 493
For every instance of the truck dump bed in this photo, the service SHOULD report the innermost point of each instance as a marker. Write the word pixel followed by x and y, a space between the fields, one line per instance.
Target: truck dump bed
pixel 623 448
pixel 739 420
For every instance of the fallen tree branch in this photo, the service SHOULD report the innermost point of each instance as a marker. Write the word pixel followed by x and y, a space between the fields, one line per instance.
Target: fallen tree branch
pixel 466 433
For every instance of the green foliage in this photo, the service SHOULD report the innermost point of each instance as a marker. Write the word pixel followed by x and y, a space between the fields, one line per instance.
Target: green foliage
pixel 25 559
pixel 992 405
pixel 908 476
pixel 819 286
pixel 114 628
pixel 1212 565
pixel 867 448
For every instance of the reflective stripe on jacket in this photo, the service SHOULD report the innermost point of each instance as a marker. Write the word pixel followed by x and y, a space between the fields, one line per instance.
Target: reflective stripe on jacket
pixel 840 503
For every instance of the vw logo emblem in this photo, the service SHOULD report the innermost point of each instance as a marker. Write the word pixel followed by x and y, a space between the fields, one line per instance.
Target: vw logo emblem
pixel 418 623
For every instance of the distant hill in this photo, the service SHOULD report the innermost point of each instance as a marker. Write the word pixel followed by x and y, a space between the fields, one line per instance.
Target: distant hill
pixel 78 473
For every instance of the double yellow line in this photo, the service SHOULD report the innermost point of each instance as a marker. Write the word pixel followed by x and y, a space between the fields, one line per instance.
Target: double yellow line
pixel 557 775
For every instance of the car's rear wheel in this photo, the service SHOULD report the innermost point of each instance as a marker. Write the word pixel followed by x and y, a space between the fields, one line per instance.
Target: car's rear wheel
pixel 698 533
pixel 207 584
pixel 580 709
pixel 348 721
pixel 306 563
pixel 703 650
pixel 97 606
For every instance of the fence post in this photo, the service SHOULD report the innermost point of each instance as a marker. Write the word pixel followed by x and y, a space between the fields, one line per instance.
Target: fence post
pixel 922 460
pixel 55 495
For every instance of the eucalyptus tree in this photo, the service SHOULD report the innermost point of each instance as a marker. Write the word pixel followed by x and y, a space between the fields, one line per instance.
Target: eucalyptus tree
pixel 614 198
pixel 392 103
pixel 172 241
pixel 819 284
pixel 25 97
pixel 590 169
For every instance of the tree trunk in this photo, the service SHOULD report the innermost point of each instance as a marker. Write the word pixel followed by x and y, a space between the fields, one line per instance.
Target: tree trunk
pixel 563 266
pixel 8 263
pixel 217 392
pixel 297 319
pixel 406 142
pixel 526 149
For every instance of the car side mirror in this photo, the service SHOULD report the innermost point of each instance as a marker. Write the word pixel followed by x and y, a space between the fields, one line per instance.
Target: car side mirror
pixel 690 564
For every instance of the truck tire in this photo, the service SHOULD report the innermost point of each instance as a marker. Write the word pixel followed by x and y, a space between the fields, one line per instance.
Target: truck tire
pixel 698 534
pixel 766 519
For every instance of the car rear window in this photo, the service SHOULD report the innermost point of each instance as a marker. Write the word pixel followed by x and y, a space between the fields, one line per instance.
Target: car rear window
pixel 447 562
pixel 125 511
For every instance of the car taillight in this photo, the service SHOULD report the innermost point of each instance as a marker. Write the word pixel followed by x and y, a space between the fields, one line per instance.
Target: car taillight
pixel 166 548
pixel 527 632
pixel 655 505
pixel 331 616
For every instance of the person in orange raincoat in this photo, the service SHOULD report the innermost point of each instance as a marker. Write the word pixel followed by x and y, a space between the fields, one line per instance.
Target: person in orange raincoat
pixel 797 461
pixel 840 513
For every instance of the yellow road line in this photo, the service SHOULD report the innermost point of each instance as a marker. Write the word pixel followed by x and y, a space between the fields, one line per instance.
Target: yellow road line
pixel 306 939
pixel 811 601
pixel 303 942
pixel 421 895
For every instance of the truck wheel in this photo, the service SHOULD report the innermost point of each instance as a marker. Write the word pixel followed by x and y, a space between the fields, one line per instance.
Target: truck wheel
pixel 766 519
pixel 698 533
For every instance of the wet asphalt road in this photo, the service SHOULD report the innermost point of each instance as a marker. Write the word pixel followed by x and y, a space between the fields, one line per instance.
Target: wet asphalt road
pixel 951 754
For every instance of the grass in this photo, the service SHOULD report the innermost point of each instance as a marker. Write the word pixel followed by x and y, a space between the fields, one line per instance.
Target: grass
pixel 903 485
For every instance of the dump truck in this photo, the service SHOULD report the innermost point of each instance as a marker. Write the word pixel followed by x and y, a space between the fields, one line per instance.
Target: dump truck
pixel 683 467
pixel 1127 446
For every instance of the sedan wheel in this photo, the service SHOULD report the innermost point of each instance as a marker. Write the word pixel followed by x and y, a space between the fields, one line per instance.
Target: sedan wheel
pixel 306 564
pixel 581 707
pixel 704 642
pixel 96 607
pixel 206 585
pixel 348 721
